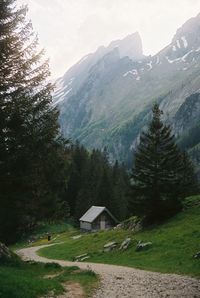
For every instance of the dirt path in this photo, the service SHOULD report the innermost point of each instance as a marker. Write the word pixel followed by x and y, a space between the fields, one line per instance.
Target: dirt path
pixel 121 282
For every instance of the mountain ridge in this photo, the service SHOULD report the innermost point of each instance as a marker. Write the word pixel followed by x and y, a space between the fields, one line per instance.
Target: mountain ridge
pixel 105 93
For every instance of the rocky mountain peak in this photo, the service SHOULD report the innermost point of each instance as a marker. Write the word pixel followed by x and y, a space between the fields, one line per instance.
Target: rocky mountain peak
pixel 105 99
pixel 188 35
pixel 130 46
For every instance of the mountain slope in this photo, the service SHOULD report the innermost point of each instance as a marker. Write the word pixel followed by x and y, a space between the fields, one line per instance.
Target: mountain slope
pixel 105 99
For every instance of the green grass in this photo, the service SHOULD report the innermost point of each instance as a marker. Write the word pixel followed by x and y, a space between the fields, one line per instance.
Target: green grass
pixel 30 280
pixel 40 234
pixel 174 244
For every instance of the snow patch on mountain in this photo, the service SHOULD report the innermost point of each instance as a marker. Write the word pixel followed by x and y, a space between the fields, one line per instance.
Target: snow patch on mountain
pixel 61 96
pixel 150 65
pixel 178 43
pixel 131 72
pixel 59 84
pixel 185 43
pixel 157 59
pixel 185 56
pixel 172 61
pixel 61 87
pixel 174 48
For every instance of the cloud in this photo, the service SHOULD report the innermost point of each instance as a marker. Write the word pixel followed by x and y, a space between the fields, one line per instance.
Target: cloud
pixel 69 29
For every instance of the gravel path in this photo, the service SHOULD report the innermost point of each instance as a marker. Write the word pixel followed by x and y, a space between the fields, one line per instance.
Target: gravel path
pixel 120 282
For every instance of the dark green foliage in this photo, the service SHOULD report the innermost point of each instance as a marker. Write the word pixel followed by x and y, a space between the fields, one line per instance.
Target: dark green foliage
pixel 160 172
pixel 93 181
pixel 52 265
pixel 32 157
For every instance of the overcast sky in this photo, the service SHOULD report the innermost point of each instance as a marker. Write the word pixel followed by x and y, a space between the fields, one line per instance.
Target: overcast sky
pixel 70 29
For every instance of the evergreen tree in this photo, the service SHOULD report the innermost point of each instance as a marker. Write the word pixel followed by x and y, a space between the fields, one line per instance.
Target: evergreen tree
pixel 188 179
pixel 157 172
pixel 79 161
pixel 105 194
pixel 93 181
pixel 120 191
pixel 28 126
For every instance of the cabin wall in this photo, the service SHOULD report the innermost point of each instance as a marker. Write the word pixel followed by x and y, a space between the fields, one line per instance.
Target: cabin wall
pixel 85 225
pixel 103 222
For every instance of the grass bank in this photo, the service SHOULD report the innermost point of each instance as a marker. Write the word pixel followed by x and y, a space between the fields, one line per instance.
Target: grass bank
pixel 30 280
pixel 174 244
pixel 39 234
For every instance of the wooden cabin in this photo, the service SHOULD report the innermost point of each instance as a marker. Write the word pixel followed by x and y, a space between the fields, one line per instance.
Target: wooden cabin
pixel 97 218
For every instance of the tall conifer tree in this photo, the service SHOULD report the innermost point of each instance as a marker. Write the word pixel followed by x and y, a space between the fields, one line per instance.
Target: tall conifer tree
pixel 157 172
pixel 28 124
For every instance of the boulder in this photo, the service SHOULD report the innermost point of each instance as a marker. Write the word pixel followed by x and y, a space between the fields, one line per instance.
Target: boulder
pixel 109 246
pixel 125 244
pixel 143 246
pixel 133 224
pixel 81 257
pixel 118 227
pixel 84 258
pixel 197 255
pixel 76 237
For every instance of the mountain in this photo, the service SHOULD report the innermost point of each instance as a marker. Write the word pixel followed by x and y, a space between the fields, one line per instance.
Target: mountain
pixel 105 99
pixel 67 85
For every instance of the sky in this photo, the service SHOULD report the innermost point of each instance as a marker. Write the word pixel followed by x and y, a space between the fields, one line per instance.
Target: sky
pixel 70 29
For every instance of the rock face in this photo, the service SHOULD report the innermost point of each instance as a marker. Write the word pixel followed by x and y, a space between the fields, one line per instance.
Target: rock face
pixel 188 114
pixel 130 46
pixel 106 98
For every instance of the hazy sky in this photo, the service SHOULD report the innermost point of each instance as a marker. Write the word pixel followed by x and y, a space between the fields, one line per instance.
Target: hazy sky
pixel 70 29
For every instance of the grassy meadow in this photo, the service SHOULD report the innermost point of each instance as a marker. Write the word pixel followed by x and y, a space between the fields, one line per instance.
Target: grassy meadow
pixel 174 244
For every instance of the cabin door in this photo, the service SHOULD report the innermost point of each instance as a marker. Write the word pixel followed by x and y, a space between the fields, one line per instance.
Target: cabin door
pixel 103 222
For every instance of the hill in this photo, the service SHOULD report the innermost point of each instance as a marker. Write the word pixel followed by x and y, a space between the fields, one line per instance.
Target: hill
pixel 173 244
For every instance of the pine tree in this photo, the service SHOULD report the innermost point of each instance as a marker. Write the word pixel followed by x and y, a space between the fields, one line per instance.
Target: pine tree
pixel 157 172
pixel 28 125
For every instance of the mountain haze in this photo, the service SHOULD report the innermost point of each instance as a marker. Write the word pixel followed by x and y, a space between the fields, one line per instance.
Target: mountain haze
pixel 105 99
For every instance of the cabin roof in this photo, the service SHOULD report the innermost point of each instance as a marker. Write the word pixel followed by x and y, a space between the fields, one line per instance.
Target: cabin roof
pixel 94 212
